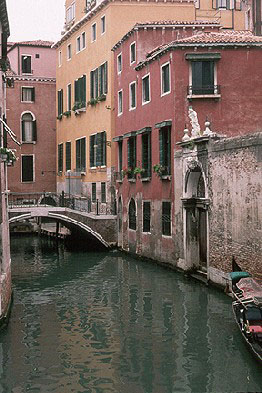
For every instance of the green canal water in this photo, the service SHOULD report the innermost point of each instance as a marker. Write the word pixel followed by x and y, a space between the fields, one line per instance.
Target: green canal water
pixel 105 322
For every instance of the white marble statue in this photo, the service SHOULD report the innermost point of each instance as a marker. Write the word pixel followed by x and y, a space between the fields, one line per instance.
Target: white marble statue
pixel 194 123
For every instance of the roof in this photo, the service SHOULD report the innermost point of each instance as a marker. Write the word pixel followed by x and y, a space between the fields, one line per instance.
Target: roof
pixel 93 11
pixel 166 24
pixel 4 17
pixel 38 43
pixel 207 39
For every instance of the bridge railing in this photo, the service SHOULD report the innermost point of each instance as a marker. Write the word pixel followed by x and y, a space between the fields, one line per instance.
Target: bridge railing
pixel 84 204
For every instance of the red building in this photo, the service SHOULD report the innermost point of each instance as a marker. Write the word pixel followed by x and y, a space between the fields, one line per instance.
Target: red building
pixel 208 72
pixel 31 116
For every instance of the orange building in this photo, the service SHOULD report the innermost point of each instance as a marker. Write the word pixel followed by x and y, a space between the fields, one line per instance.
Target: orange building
pixel 85 102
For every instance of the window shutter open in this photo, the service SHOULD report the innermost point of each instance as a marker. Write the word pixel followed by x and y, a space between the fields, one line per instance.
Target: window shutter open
pixel 168 151
pixel 91 84
pixel 33 94
pixel 161 153
pixel 105 79
pixel 92 151
pixel 83 154
pixel 100 80
pixel 96 83
pixel 34 131
pixel 23 130
pixel 84 89
pixel 104 148
pixel 99 149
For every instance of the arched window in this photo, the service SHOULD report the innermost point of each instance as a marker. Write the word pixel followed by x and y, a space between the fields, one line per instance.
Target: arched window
pixel 132 214
pixel 28 128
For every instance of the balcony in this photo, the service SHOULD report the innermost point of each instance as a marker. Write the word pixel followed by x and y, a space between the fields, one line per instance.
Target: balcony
pixel 208 91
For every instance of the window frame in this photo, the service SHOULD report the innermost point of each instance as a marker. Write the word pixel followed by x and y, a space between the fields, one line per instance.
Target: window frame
pixel 34 131
pixel 32 88
pixel 103 24
pixel 60 58
pixel 83 40
pixel 94 150
pixel 120 94
pixel 81 168
pixel 33 168
pixel 60 157
pixel 131 108
pixel 132 225
pixel 69 101
pixel 169 235
pixel 103 192
pixel 133 44
pixel 149 92
pixel 27 56
pixel 93 32
pixel 69 52
pixel 143 216
pixel 94 192
pixel 119 63
pixel 68 159
pixel 78 44
pixel 169 78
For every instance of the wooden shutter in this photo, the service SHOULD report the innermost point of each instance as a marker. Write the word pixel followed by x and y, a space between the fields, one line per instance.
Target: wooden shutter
pixel 78 155
pixel 34 131
pixel 96 83
pixel 105 78
pixel 68 156
pixel 75 84
pixel 103 160
pixel 129 153
pixel 91 84
pixel 161 153
pixel 33 94
pixel 99 149
pixel 83 153
pixel 83 99
pixel 168 151
pixel 92 151
pixel 100 85
pixel 23 130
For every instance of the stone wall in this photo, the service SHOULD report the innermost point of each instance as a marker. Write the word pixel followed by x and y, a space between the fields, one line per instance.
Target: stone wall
pixel 235 190
pixel 5 295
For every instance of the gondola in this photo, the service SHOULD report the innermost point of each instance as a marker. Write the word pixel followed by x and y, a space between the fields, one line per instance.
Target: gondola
pixel 247 310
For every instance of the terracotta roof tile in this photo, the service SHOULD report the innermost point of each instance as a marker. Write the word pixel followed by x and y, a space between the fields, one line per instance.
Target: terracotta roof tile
pixel 33 43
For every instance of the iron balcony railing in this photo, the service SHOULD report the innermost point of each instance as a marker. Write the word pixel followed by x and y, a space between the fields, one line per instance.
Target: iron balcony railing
pixel 203 90
pixel 78 203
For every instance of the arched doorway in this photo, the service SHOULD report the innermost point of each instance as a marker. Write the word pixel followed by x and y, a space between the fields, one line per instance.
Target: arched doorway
pixel 195 204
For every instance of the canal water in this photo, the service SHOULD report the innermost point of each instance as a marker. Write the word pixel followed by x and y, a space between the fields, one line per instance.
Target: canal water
pixel 105 322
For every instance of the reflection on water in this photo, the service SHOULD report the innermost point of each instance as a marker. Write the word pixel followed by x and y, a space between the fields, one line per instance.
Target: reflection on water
pixel 100 323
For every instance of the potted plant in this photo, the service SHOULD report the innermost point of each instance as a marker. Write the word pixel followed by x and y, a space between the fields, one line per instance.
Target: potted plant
pixel 67 113
pixel 101 98
pixel 8 155
pixel 160 170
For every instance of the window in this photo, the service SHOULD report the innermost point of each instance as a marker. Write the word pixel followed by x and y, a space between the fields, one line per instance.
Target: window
pixel 165 79
pixel 93 32
pixel 131 155
pixel 120 102
pixel 119 63
pixel 28 94
pixel 26 64
pixel 68 156
pixel 103 24
pixel 132 53
pixel 103 192
pixel 165 150
pixel 69 52
pixel 97 149
pixel 132 95
pixel 27 168
pixel 60 157
pixel 83 40
pixel 202 77
pixel 146 155
pixel 120 156
pixel 80 92
pixel 223 4
pixel 93 192
pixel 28 128
pixel 146 216
pixel 78 45
pixel 59 58
pixel 98 81
pixel 37 56
pixel 70 13
pixel 132 214
pixel 145 89
pixel 69 97
pixel 81 155
pixel 166 218
pixel 60 102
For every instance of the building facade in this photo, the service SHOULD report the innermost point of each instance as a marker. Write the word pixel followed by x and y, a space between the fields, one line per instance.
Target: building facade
pixel 5 262
pixel 85 100
pixel 168 210
pixel 31 92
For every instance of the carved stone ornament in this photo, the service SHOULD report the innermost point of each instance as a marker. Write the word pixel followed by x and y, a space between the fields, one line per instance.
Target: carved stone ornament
pixel 194 123
pixel 192 164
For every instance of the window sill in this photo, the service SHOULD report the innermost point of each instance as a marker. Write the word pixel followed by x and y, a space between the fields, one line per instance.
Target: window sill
pixel 27 102
pixel 201 96
pixel 28 142
pixel 119 181
pixel 132 180
pixel 80 110
pixel 166 177
pixel 83 173
pixel 145 179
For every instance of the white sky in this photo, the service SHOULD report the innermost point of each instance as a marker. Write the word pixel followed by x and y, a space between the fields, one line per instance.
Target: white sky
pixel 35 19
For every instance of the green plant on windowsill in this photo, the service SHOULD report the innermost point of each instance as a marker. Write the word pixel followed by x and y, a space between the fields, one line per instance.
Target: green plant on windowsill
pixel 67 113
pixel 160 170
pixel 126 171
pixel 101 98
pixel 93 101
pixel 138 171
pixel 8 155
pixel 59 117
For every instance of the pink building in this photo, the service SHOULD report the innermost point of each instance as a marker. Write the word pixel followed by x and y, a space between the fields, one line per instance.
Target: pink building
pixel 31 115
pixel 206 73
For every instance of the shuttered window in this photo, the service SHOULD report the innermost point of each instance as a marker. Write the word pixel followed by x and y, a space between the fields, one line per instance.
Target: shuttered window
pixel 97 149
pixel 60 157
pixel 27 168
pixel 81 155
pixel 146 216
pixel 93 192
pixel 80 91
pixel 131 154
pixel 29 132
pixel 166 218
pixel 165 150
pixel 60 102
pixel 68 156
pixel 202 77
pixel 103 192
pixel 99 81
pixel 146 155
pixel 120 156
pixel 69 97
pixel 26 64
pixel 28 94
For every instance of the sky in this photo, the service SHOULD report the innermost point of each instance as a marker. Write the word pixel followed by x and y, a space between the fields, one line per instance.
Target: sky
pixel 35 19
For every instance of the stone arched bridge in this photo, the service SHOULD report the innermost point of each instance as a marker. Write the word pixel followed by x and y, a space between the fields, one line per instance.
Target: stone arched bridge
pixel 96 229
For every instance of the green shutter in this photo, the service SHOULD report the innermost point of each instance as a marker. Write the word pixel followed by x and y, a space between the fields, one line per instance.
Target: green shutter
pixel 83 154
pixel 75 85
pixel 96 83
pixel 91 84
pixel 78 155
pixel 100 70
pixel 33 94
pixel 23 130
pixel 169 151
pixel 99 149
pixel 161 153
pixel 68 156
pixel 34 131
pixel 105 78
pixel 128 153
pixel 92 151
pixel 104 148
pixel 84 89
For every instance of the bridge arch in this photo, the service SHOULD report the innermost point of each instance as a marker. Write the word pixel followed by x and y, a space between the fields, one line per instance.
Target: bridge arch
pixel 76 227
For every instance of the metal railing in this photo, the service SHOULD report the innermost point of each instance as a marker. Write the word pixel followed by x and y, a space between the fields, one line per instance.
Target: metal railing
pixel 78 203
pixel 203 90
